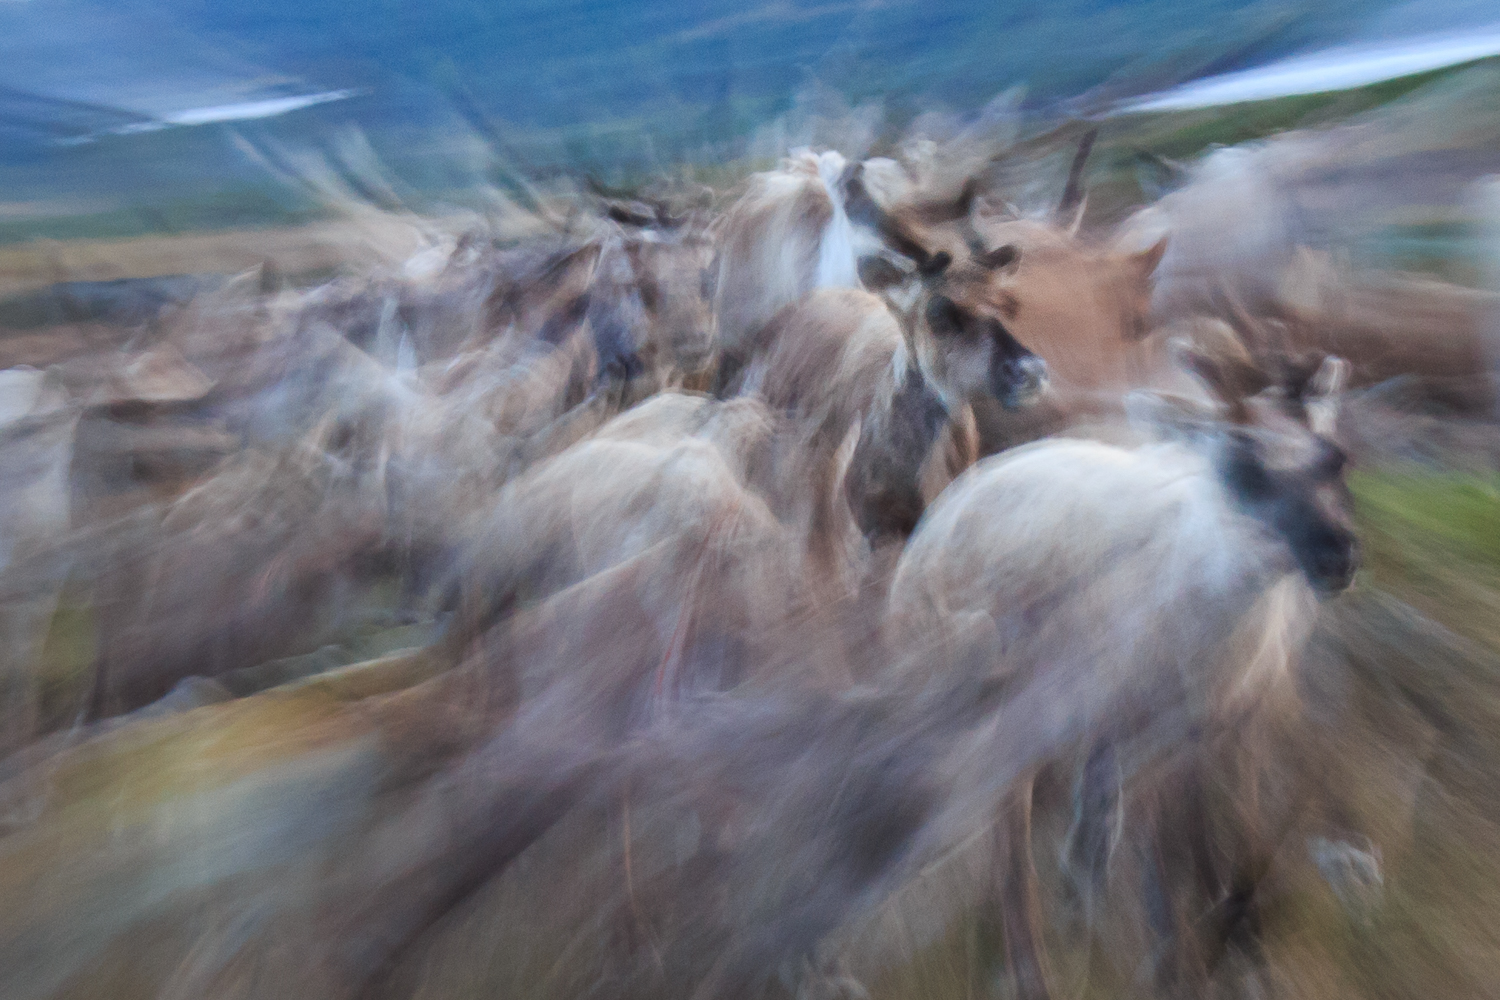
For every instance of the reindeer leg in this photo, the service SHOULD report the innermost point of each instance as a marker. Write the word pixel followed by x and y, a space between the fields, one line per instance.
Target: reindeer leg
pixel 731 364
pixel 1182 832
pixel 1097 818
pixel 1235 921
pixel 1020 909
pixel 1161 916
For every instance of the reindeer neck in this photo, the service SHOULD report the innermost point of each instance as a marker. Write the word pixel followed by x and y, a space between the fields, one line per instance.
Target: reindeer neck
pixel 916 413
pixel 884 482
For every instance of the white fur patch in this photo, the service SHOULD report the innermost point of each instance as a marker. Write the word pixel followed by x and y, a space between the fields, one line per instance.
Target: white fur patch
pixel 837 266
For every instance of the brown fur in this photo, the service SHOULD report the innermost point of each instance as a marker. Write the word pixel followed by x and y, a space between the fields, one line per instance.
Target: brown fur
pixel 1083 309
pixel 874 403
pixel 1389 326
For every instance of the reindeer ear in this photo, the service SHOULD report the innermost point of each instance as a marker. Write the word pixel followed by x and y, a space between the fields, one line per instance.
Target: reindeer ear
pixel 1075 223
pixel 1321 398
pixel 1001 256
pixel 877 274
pixel 1169 416
pixel 1329 379
pixel 1148 260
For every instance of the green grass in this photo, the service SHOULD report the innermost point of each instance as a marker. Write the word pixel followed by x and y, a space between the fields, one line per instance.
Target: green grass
pixel 231 208
pixel 67 659
pixel 1449 516
pixel 1432 538
pixel 1181 134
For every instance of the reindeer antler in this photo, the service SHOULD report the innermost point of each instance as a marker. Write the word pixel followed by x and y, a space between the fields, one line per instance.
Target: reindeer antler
pixel 862 208
pixel 1073 193
pixel 1231 376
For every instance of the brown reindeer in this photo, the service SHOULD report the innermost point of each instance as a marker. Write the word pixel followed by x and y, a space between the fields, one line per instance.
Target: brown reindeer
pixel 874 384
pixel 856 376
pixel 1083 306
pixel 816 222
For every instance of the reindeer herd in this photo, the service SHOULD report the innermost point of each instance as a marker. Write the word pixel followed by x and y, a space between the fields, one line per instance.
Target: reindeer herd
pixel 851 529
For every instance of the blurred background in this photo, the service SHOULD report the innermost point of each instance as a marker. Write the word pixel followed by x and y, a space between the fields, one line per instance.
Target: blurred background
pixel 125 119
pixel 290 293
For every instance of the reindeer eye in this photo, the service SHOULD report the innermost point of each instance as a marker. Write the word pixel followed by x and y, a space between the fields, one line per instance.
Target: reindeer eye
pixel 1243 472
pixel 944 317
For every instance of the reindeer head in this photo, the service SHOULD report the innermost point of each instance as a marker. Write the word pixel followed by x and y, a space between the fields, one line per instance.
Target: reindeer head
pixel 674 281
pixel 1270 435
pixel 1080 305
pixel 666 277
pixel 954 322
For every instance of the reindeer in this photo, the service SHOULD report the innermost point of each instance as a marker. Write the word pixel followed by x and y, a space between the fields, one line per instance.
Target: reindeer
pixel 1078 305
pixel 846 365
pixel 632 316
pixel 1289 200
pixel 650 312
pixel 1125 595
pixel 658 500
pixel 879 388
pixel 770 244
pixel 358 472
pixel 1081 304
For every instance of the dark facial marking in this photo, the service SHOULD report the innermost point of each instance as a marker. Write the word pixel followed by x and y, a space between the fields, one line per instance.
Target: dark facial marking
pixel 862 209
pixel 1326 551
pixel 934 265
pixel 1243 473
pixel 945 318
pixel 1015 373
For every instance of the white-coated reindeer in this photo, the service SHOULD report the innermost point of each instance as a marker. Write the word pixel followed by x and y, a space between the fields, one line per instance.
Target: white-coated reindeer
pixel 1126 596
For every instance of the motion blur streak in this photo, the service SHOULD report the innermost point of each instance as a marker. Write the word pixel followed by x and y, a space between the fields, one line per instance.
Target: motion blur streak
pixel 589 499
